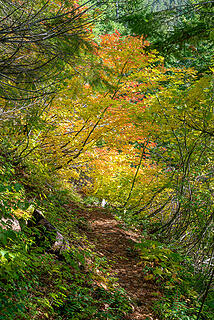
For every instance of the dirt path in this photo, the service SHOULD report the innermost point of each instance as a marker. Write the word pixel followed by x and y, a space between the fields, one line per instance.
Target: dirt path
pixel 117 245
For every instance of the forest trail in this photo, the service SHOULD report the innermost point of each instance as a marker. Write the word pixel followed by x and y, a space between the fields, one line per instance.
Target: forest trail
pixel 117 245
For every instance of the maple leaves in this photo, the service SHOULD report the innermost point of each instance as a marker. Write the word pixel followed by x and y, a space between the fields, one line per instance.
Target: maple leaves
pixel 99 118
pixel 118 119
pixel 114 103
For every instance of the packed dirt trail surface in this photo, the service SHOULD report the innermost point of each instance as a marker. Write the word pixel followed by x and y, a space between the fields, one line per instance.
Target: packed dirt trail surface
pixel 117 244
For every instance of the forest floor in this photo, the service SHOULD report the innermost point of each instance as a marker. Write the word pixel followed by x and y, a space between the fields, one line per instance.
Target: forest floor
pixel 117 243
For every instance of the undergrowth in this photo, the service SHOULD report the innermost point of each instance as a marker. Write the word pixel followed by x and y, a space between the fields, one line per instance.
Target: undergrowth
pixel 181 287
pixel 36 283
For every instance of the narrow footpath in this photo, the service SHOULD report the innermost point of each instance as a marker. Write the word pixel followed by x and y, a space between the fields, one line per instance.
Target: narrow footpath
pixel 117 245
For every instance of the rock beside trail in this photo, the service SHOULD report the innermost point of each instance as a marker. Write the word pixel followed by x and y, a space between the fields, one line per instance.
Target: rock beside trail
pixel 58 243
pixel 57 240
pixel 7 223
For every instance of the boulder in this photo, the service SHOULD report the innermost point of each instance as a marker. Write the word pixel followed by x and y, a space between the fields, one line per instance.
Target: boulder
pixel 8 223
pixel 58 243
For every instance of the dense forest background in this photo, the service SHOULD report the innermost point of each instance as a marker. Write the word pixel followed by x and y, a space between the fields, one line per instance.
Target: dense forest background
pixel 106 104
